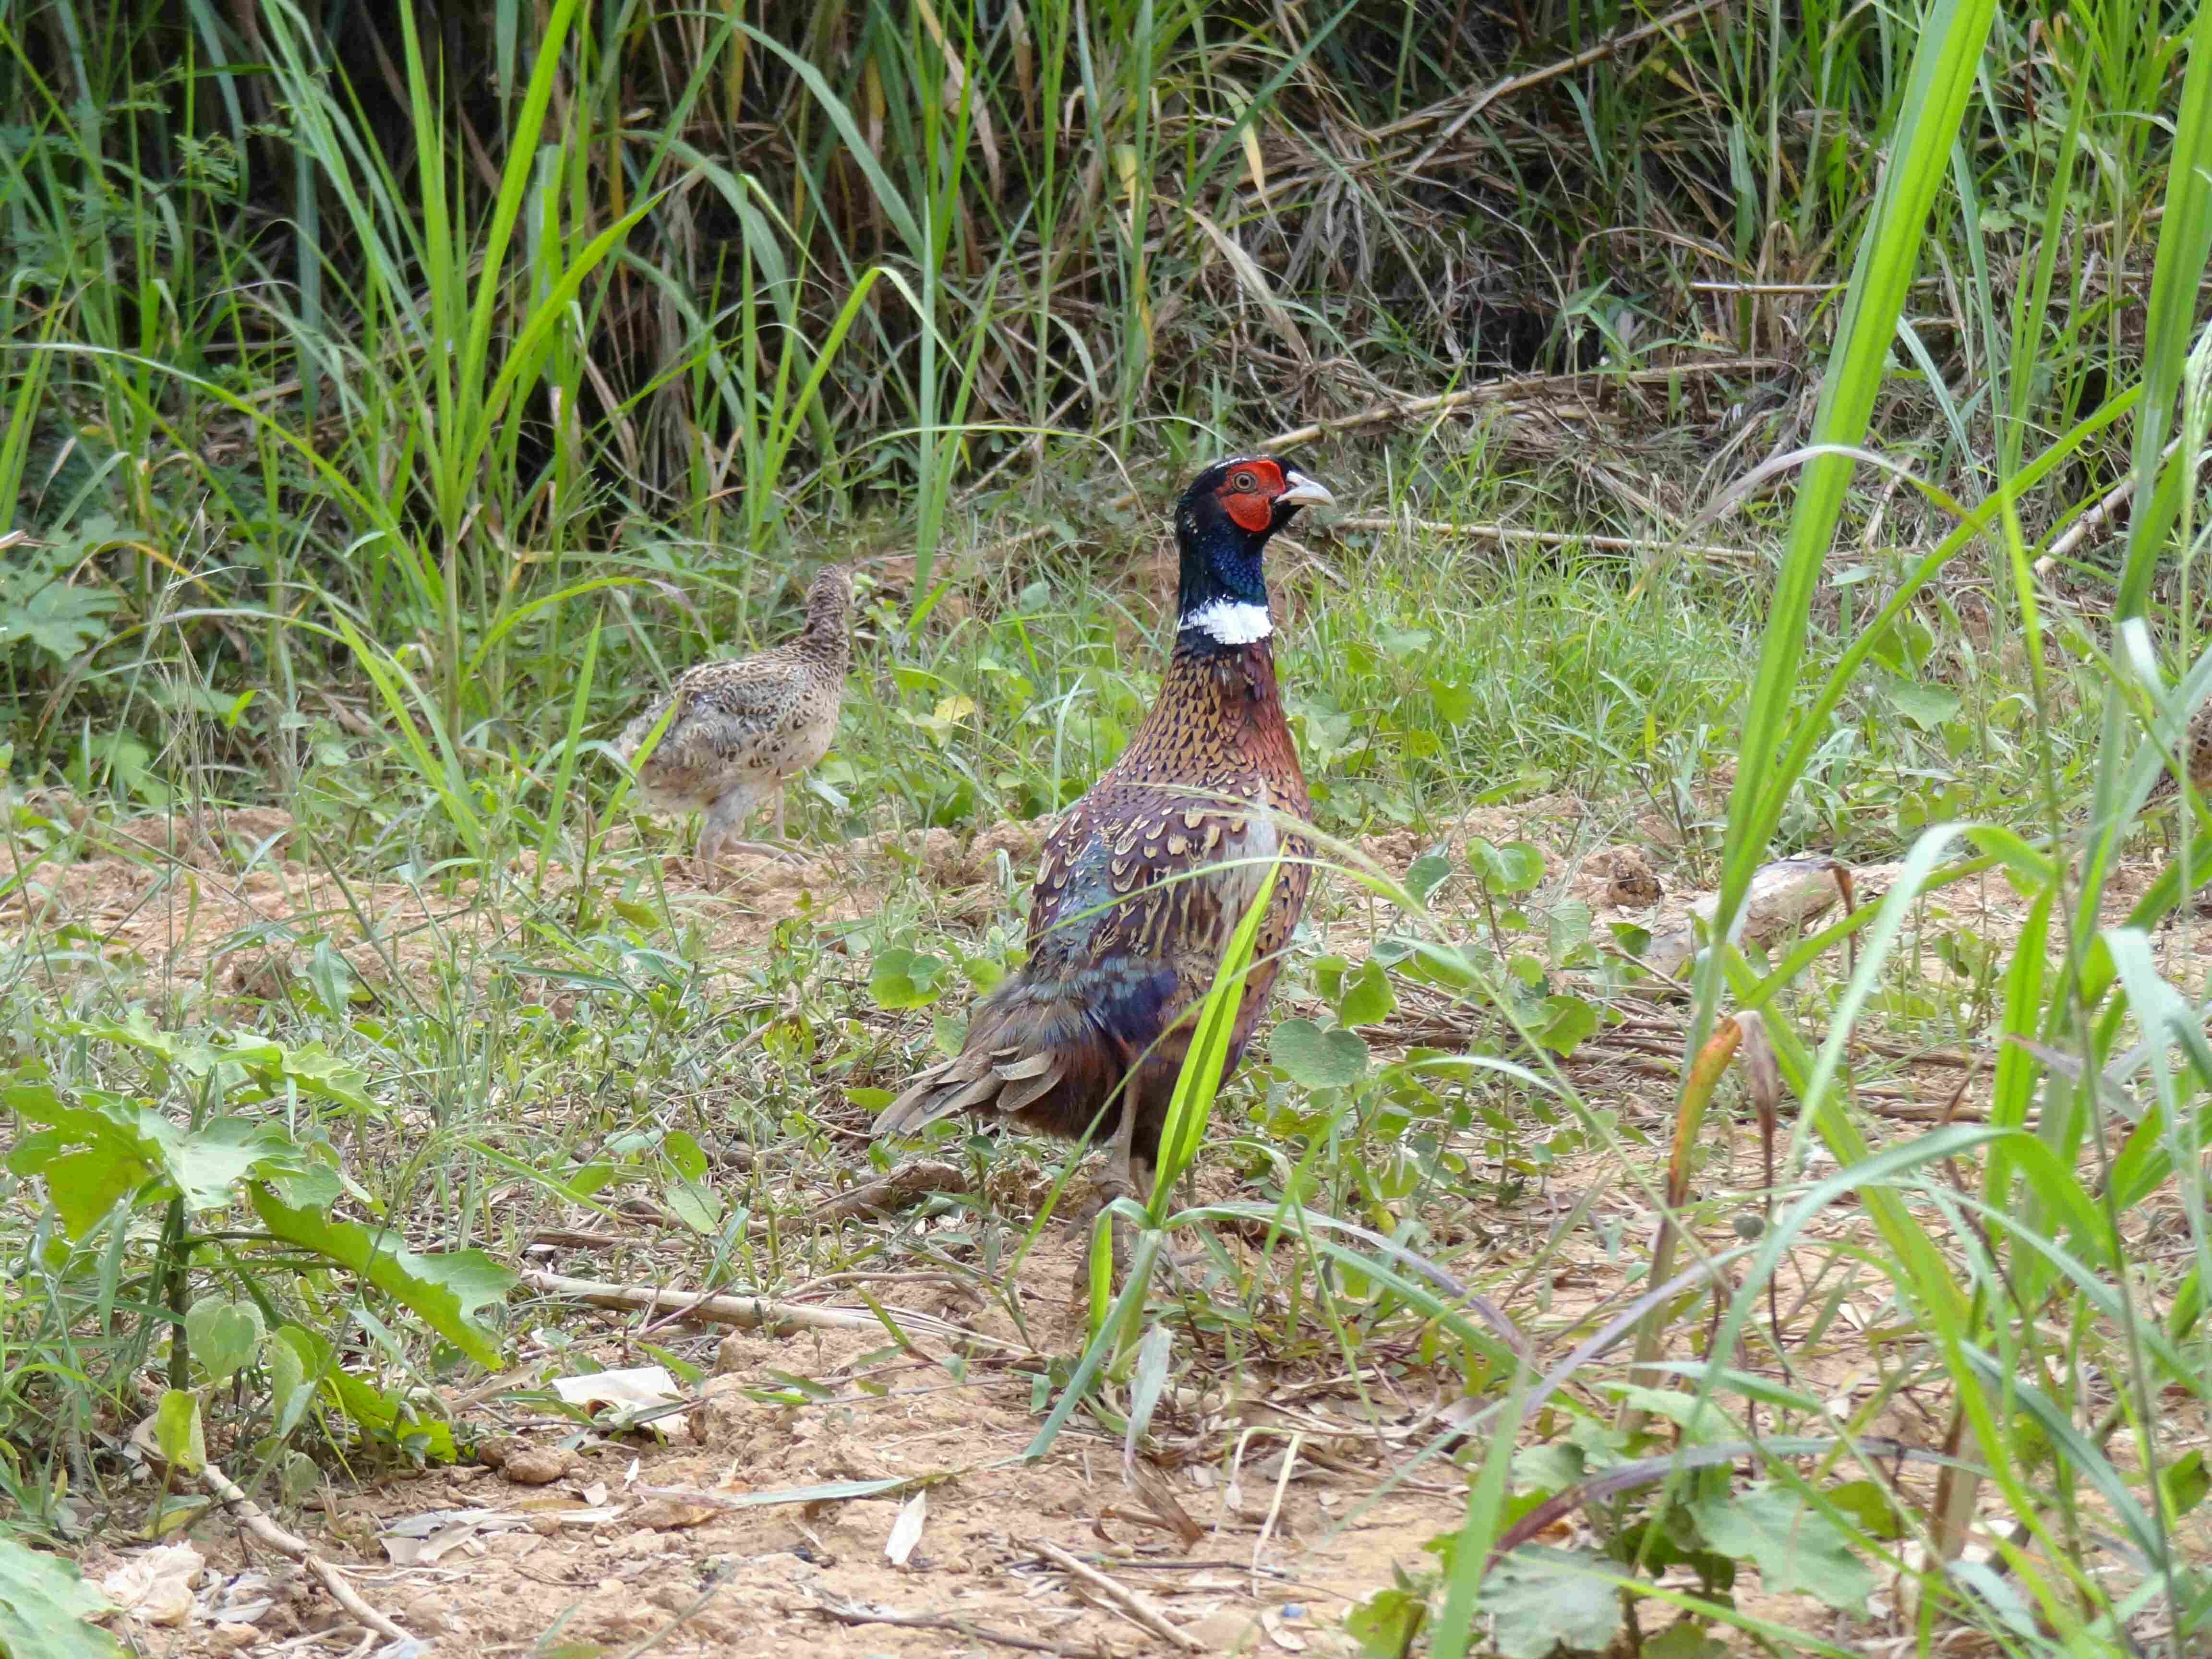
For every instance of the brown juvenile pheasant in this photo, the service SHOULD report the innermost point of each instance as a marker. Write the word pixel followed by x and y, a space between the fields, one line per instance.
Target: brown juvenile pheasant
pixel 2196 755
pixel 744 728
pixel 1143 882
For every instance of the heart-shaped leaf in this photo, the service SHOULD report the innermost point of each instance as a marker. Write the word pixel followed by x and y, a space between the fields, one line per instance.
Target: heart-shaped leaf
pixel 1318 1058
pixel 1367 996
pixel 224 1336
pixel 900 978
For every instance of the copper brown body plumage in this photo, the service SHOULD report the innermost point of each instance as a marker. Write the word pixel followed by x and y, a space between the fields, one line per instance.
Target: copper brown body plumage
pixel 745 728
pixel 1143 882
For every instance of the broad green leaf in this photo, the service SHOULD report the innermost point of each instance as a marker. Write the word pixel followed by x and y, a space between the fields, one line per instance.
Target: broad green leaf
pixel 1453 700
pixel 130 1143
pixel 443 1290
pixel 1926 706
pixel 44 1605
pixel 178 1430
pixel 1384 1624
pixel 1426 875
pixel 223 1335
pixel 1317 1059
pixel 1540 1600
pixel 900 978
pixel 1367 996
pixel 685 1153
pixel 85 1185
pixel 289 1392
pixel 1683 1639
pixel 1797 1550
pixel 1567 1021
pixel 696 1205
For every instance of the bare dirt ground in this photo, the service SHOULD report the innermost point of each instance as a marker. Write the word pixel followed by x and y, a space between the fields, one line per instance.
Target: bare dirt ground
pixel 1267 1499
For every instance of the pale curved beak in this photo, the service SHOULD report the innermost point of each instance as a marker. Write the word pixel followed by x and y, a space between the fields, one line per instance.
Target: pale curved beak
pixel 1303 491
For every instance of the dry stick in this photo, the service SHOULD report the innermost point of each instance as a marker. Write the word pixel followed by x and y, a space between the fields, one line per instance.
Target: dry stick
pixel 747 1313
pixel 2077 532
pixel 254 1520
pixel 1138 1606
pixel 1536 77
pixel 1524 385
pixel 1505 533
pixel 857 1615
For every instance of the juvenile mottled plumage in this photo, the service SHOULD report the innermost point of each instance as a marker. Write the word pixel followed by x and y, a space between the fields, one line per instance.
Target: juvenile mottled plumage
pixel 744 728
pixel 2196 755
pixel 1142 884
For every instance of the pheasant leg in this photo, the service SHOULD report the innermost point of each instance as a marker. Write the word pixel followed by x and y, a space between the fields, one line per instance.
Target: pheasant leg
pixel 1118 1181
pixel 718 835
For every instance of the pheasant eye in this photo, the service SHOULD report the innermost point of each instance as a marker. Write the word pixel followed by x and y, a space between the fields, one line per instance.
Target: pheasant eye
pixel 1242 481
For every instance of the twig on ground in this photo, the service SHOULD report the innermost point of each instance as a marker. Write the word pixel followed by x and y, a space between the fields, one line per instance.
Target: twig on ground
pixel 1510 536
pixel 859 1615
pixel 910 1181
pixel 1535 78
pixel 1135 1603
pixel 748 1313
pixel 1524 387
pixel 254 1520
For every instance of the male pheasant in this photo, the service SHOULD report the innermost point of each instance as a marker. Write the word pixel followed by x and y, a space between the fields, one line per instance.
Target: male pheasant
pixel 745 728
pixel 1144 881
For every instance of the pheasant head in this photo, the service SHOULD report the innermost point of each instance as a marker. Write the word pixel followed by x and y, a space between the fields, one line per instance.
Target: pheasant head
pixel 1222 526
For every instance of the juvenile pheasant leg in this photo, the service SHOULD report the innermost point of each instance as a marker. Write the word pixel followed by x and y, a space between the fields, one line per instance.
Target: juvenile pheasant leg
pixel 718 835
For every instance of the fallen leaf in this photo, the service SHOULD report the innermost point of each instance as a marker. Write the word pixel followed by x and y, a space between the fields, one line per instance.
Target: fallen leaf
pixel 906 1531
pixel 154 1586
pixel 627 1394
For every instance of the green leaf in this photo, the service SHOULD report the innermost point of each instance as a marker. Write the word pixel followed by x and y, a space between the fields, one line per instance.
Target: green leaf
pixel 1683 1639
pixel 443 1290
pixel 1426 875
pixel 685 1153
pixel 1453 700
pixel 1870 1507
pixel 1541 1601
pixel 1367 996
pixel 43 1607
pixel 1567 1022
pixel 900 978
pixel 126 1144
pixel 1926 706
pixel 2184 1482
pixel 178 1433
pixel 696 1205
pixel 290 1392
pixel 1516 867
pixel 1797 1550
pixel 223 1335
pixel 1318 1058
pixel 1384 1624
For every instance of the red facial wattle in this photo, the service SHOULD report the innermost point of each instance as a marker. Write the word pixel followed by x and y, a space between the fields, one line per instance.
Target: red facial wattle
pixel 1247 495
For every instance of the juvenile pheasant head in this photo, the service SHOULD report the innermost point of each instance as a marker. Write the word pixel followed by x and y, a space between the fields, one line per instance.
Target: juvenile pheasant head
pixel 829 600
pixel 1222 526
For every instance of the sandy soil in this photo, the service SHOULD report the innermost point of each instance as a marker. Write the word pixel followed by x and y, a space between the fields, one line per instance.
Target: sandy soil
pixel 1264 1498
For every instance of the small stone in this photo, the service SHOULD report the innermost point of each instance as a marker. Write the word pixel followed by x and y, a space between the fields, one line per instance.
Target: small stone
pixel 229 1637
pixel 537 1466
pixel 1630 883
pixel 1226 1632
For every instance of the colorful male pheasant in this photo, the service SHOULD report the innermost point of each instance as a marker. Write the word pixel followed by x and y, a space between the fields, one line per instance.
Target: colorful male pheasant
pixel 1148 875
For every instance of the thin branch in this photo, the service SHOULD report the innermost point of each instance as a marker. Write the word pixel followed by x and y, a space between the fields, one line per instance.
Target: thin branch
pixel 254 1520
